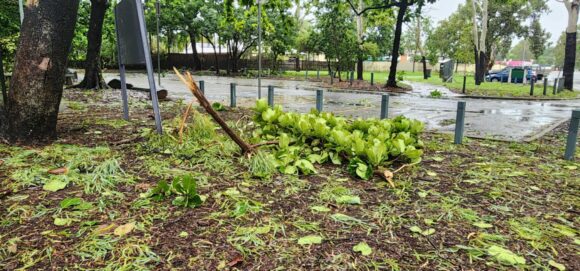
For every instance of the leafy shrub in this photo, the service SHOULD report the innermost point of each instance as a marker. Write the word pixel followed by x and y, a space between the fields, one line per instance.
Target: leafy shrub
pixel 316 138
pixel 436 94
pixel 218 106
pixel 401 75
pixel 184 187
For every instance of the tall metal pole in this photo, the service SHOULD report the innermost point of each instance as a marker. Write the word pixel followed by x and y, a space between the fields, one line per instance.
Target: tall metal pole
pixel 259 49
pixel 21 10
pixel 158 12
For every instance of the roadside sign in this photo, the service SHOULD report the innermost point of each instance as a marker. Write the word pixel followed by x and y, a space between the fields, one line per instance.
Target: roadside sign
pixel 133 48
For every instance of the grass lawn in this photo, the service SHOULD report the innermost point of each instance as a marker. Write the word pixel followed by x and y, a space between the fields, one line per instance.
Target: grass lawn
pixel 494 89
pixel 84 202
pixel 379 77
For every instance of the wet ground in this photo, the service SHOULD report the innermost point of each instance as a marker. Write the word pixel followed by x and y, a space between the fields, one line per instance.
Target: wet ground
pixel 499 119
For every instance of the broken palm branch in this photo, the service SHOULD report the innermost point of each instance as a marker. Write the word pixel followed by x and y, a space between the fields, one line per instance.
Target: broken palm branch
pixel 190 83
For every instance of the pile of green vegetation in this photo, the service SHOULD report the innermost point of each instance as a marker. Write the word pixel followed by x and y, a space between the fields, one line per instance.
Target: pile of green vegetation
pixel 319 137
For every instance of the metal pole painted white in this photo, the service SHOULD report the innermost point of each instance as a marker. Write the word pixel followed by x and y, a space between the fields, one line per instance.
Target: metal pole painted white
pixel 21 10
pixel 158 13
pixel 259 49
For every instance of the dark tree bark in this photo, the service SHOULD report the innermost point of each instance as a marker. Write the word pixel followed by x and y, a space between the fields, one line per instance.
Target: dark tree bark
pixel 569 60
pixel 37 84
pixel 196 60
pixel 215 54
pixel 392 81
pixel 480 67
pixel 3 79
pixel 93 75
pixel 424 61
pixel 359 68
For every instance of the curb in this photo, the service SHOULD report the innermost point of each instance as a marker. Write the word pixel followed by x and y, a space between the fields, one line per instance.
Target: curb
pixel 516 98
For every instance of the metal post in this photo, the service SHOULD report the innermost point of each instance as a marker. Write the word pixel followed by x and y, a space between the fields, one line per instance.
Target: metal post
pixel 271 96
pixel 372 78
pixel 351 77
pixel 319 100
pixel 318 74
pixel 124 92
pixel 158 13
pixel 232 94
pixel 21 11
pixel 572 136
pixel 460 123
pixel 385 106
pixel 464 83
pixel 555 86
pixel 124 97
pixel 532 87
pixel 306 75
pixel 545 86
pixel 149 65
pixel 260 49
pixel 202 86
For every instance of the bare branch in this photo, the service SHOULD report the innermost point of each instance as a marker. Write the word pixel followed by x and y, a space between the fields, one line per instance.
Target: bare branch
pixel 389 4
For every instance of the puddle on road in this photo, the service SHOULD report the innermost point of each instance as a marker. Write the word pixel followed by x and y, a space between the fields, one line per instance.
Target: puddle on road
pixel 508 120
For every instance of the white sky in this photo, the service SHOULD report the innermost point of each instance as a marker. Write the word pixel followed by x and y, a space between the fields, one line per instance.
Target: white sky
pixel 554 22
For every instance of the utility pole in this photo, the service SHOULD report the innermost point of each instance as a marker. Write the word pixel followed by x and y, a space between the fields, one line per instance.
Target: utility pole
pixel 158 12
pixel 259 49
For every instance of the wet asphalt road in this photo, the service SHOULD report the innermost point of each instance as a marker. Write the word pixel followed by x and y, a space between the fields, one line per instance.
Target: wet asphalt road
pixel 498 119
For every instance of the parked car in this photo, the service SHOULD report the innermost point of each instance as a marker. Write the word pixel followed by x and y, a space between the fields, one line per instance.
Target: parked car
pixel 503 75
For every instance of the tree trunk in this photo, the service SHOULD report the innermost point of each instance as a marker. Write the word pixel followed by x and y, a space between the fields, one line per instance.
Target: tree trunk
pixel 478 66
pixel 196 60
pixel 93 75
pixel 424 61
pixel 392 81
pixel 569 60
pixel 217 64
pixel 359 68
pixel 481 68
pixel 2 79
pixel 36 87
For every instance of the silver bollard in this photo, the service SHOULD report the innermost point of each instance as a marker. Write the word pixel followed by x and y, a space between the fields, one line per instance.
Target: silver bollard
pixel 460 123
pixel 572 136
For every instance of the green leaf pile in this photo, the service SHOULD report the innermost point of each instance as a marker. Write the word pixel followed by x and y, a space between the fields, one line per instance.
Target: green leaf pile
pixel 320 137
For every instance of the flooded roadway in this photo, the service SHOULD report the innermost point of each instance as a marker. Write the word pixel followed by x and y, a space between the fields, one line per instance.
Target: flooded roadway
pixel 487 118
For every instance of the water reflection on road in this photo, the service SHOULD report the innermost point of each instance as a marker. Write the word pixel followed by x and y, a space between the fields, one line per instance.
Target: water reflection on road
pixel 508 120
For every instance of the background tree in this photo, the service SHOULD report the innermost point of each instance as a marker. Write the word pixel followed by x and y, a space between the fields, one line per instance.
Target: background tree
pixel 211 15
pixel 452 39
pixel 414 40
pixel 10 26
pixel 41 59
pixel 93 75
pixel 538 38
pixel 238 30
pixel 572 6
pixel 402 15
pixel 336 35
pixel 522 51
pixel 505 20
pixel 480 23
pixel 282 33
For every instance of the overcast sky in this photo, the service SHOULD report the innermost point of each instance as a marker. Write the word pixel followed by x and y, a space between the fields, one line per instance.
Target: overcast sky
pixel 554 22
